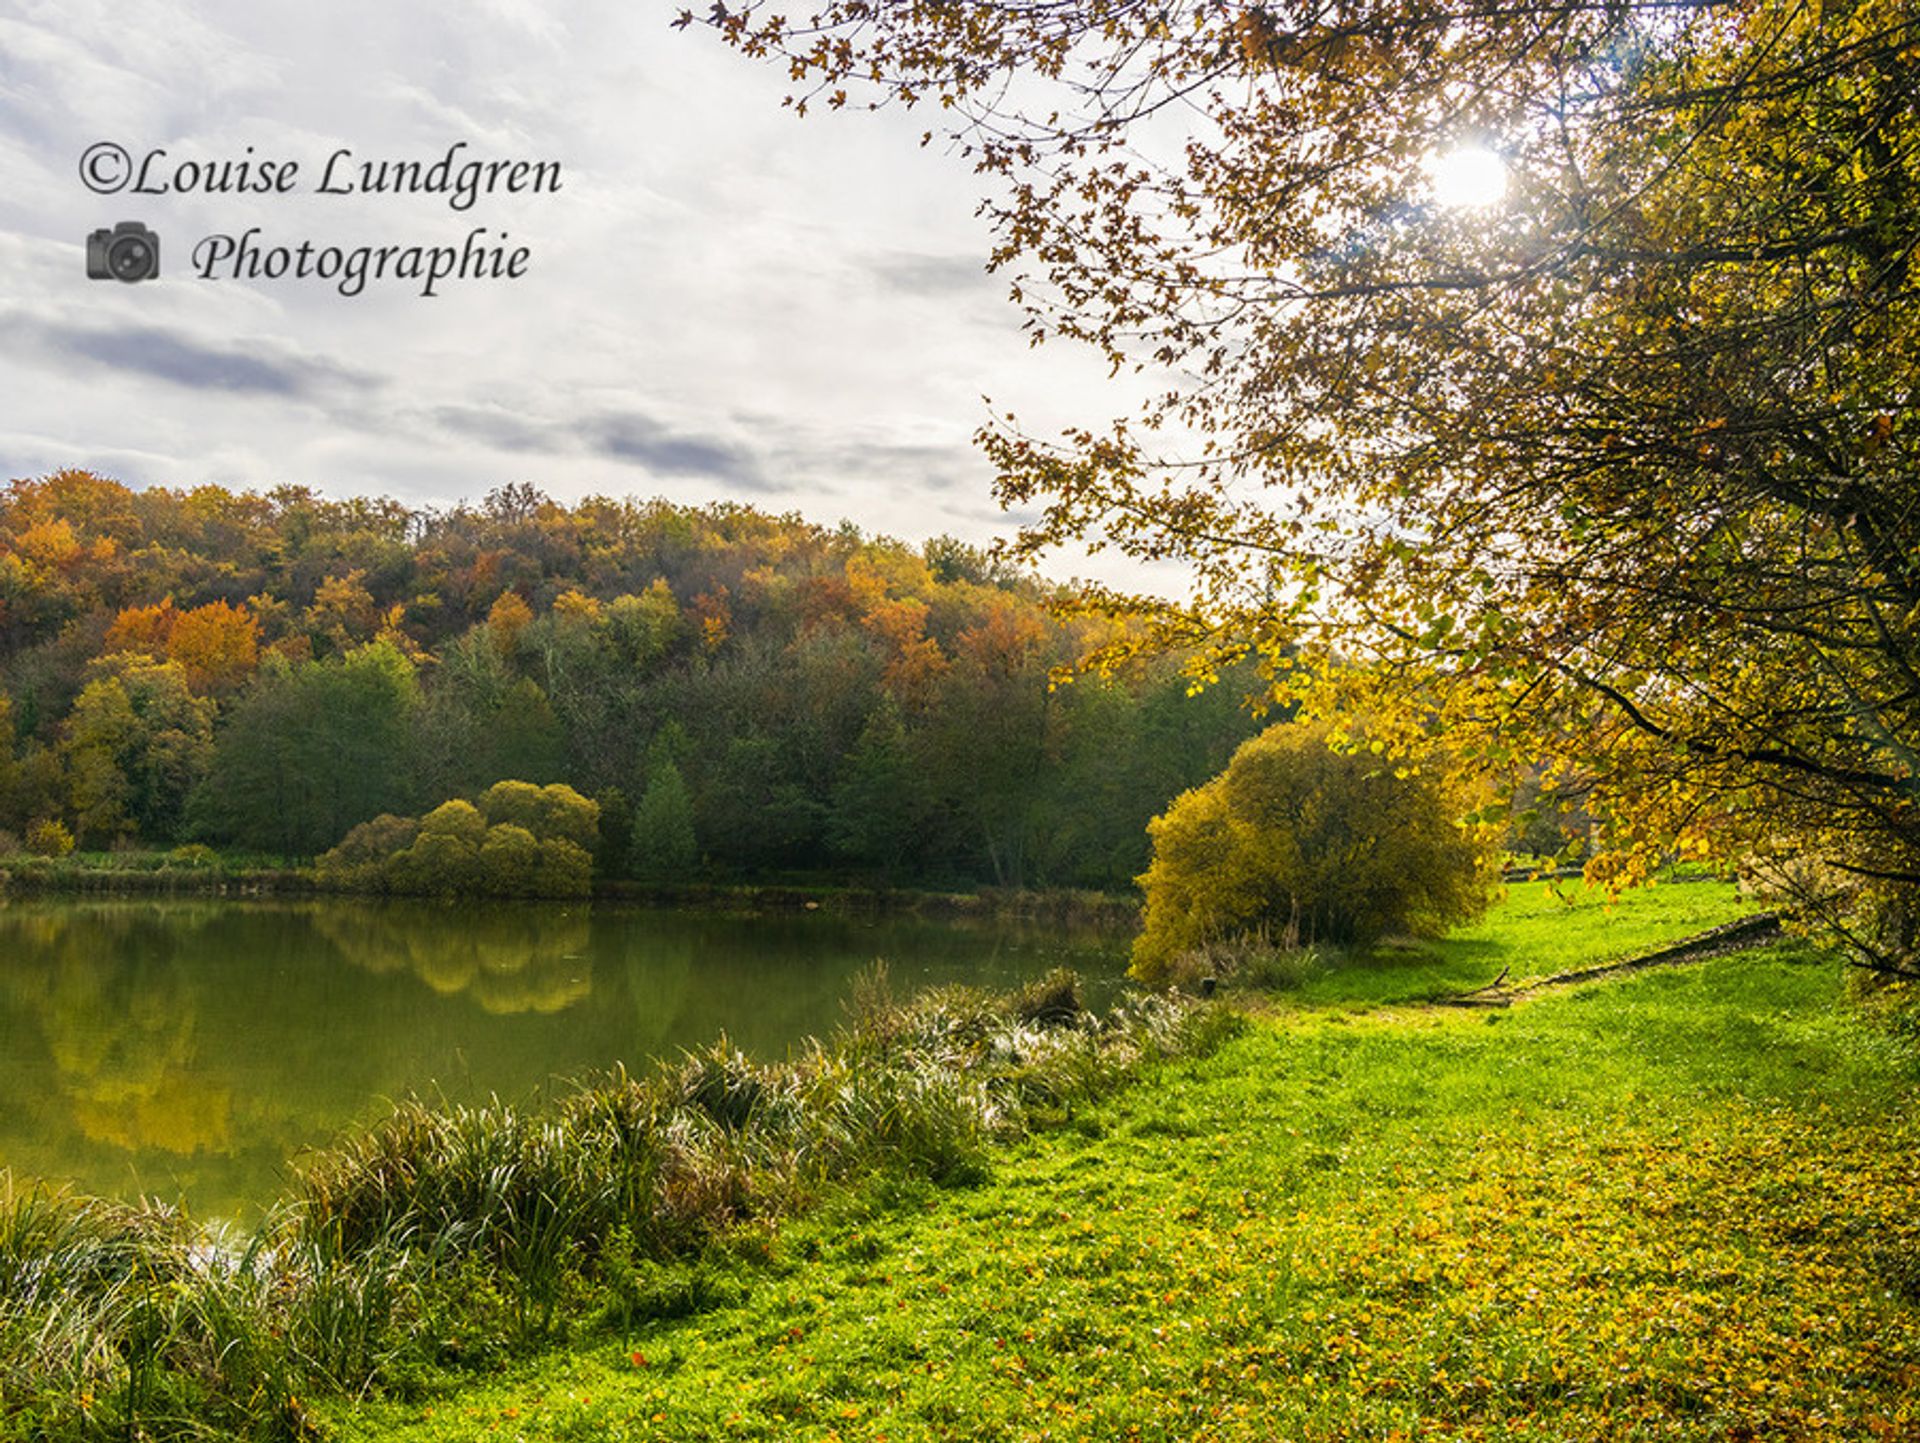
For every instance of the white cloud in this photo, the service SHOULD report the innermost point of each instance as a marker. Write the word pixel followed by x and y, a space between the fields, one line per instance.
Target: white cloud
pixel 722 301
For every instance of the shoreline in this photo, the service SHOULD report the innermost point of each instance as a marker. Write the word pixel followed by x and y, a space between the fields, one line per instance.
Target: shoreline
pixel 154 874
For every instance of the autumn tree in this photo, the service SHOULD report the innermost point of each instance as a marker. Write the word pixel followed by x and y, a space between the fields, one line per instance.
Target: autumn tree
pixel 135 745
pixel 217 645
pixel 1298 840
pixel 1615 468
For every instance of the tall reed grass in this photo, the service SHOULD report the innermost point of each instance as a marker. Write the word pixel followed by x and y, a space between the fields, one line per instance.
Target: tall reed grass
pixel 449 1237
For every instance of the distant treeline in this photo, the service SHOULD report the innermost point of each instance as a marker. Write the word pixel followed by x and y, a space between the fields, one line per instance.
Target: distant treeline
pixel 745 695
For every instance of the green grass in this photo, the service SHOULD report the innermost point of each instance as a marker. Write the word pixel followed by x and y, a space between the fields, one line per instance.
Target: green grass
pixel 1677 1205
pixel 181 869
pixel 1672 1205
pixel 1539 929
pixel 446 1240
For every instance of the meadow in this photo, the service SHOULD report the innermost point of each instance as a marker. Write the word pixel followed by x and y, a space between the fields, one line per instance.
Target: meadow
pixel 1675 1204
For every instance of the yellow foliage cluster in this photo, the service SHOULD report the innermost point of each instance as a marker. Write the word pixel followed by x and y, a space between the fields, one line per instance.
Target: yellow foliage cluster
pixel 521 841
pixel 1307 843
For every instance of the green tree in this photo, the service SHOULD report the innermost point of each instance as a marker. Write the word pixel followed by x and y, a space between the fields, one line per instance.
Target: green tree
pixel 1617 469
pixel 612 858
pixel 878 808
pixel 136 743
pixel 312 749
pixel 481 722
pixel 1298 839
pixel 12 774
pixel 986 734
pixel 664 845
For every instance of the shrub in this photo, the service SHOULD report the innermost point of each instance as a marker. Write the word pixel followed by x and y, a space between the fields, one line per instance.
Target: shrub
pixel 564 870
pixel 1313 844
pixel 193 854
pixel 458 820
pixel 521 841
pixel 49 838
pixel 508 859
pixel 359 863
pixel 555 812
pixel 440 863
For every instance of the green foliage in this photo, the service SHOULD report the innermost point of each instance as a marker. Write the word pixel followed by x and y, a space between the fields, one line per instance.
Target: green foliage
pixel 613 857
pixel 313 749
pixel 1311 844
pixel 561 869
pixel 552 812
pixel 644 627
pixel 664 846
pixel 521 841
pixel 461 821
pixel 438 864
pixel 873 817
pixel 509 858
pixel 359 863
pixel 483 721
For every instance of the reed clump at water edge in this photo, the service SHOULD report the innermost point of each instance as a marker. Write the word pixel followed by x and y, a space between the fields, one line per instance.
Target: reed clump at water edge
pixel 442 1240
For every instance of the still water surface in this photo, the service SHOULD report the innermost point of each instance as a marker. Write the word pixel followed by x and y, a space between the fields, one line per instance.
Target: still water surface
pixel 189 1049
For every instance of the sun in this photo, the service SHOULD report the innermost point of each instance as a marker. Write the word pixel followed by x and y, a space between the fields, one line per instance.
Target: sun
pixel 1468 177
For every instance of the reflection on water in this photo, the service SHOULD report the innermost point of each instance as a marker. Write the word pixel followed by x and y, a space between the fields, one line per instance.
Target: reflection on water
pixel 523 959
pixel 189 1049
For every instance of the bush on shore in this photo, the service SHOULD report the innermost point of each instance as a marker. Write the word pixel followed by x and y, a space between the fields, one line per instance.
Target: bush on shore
pixel 520 841
pixel 1312 845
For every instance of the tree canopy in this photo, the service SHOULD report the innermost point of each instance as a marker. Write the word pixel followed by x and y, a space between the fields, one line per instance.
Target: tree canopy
pixel 1619 470
pixel 743 695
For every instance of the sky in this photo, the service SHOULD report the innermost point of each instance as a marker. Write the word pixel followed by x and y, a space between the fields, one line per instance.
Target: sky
pixel 718 302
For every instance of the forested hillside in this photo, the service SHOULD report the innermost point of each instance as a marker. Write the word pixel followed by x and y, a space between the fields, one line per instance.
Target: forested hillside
pixel 745 695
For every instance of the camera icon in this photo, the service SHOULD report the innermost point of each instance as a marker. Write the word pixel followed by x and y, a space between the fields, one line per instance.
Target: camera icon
pixel 128 252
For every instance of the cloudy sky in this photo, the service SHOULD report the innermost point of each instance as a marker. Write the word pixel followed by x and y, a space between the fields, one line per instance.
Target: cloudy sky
pixel 720 301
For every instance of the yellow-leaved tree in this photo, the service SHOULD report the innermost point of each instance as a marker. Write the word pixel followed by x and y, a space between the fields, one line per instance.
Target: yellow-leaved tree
pixel 1299 841
pixel 1611 458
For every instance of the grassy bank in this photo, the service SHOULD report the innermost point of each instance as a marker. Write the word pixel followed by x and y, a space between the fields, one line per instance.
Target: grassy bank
pixel 1672 1206
pixel 443 1241
pixel 183 871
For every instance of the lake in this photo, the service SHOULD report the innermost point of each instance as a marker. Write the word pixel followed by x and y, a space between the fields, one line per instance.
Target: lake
pixel 189 1049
